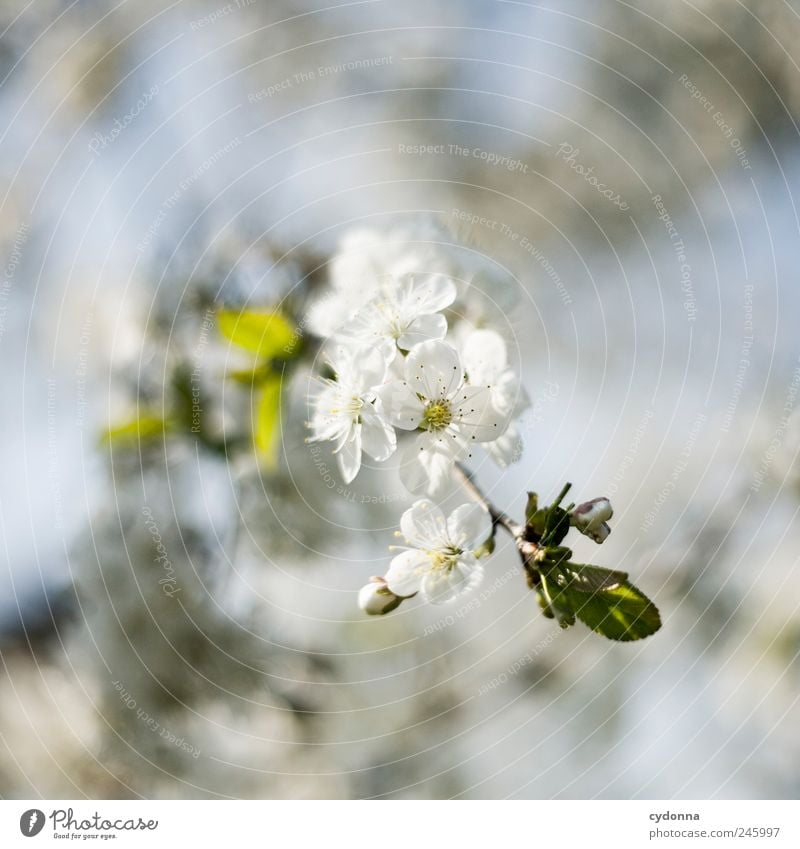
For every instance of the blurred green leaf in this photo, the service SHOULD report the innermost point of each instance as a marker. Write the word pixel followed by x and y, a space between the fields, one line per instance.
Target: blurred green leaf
pixel 251 376
pixel 268 335
pixel 146 428
pixel 266 427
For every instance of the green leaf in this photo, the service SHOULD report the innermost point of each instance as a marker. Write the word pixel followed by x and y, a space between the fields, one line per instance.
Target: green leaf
pixel 266 427
pixel 556 526
pixel 621 613
pixel 589 579
pixel 146 428
pixel 553 598
pixel 268 335
pixel 251 376
pixel 531 507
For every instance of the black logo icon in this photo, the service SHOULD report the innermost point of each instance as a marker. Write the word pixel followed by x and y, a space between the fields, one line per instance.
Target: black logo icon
pixel 31 822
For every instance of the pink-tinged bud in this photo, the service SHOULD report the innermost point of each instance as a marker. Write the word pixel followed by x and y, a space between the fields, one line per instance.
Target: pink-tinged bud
pixel 599 533
pixel 375 598
pixel 591 518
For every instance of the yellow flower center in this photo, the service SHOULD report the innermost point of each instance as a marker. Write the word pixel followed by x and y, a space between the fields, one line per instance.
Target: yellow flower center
pixel 437 415
pixel 444 559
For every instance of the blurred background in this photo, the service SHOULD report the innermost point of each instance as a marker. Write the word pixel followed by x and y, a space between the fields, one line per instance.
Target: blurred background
pixel 623 174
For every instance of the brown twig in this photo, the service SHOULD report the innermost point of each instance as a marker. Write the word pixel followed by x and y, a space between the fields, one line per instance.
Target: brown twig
pixel 464 477
pixel 527 548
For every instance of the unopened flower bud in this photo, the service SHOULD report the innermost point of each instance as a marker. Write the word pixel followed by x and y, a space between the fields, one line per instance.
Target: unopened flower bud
pixel 375 598
pixel 591 518
pixel 599 533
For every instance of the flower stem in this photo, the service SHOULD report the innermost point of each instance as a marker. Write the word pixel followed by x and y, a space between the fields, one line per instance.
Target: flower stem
pixel 465 478
pixel 526 548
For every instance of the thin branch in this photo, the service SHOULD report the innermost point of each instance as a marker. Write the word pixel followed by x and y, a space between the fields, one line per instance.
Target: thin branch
pixel 464 476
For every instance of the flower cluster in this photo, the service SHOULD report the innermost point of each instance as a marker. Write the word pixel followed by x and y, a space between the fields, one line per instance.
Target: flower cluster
pixel 403 380
pixel 416 371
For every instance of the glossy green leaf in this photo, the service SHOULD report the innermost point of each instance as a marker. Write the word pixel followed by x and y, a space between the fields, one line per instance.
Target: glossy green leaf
pixel 555 602
pixel 267 334
pixel 556 526
pixel 621 613
pixel 589 579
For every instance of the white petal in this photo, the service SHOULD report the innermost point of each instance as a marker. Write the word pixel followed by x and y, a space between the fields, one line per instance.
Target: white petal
pixel 377 435
pixel 426 462
pixel 424 526
pixel 406 572
pixel 422 329
pixel 349 455
pixel 469 526
pixel 508 448
pixel 476 417
pixel 508 396
pixel 371 365
pixel 484 356
pixel 329 312
pixel 325 422
pixel 434 370
pixel 427 295
pixel 440 586
pixel 400 404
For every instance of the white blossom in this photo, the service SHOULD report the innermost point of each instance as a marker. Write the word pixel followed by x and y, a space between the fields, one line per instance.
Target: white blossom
pixel 347 411
pixel 441 563
pixel 368 261
pixel 404 313
pixel 369 256
pixel 450 414
pixel 485 359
